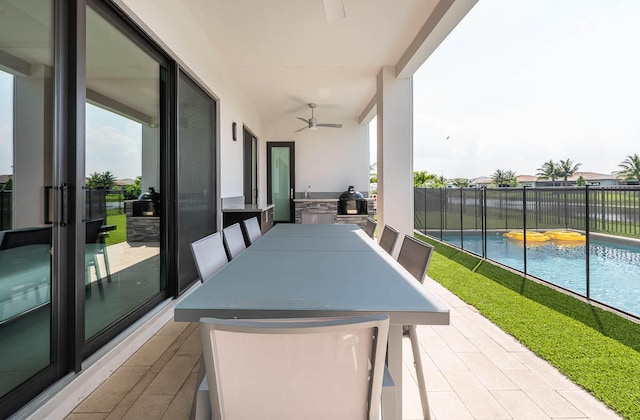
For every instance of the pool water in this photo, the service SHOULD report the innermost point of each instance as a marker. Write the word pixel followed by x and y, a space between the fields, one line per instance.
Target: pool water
pixel 614 269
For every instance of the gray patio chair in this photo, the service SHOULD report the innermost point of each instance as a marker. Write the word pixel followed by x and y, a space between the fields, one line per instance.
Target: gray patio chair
pixel 252 229
pixel 415 256
pixel 27 236
pixel 233 240
pixel 209 255
pixel 293 368
pixel 94 247
pixel 370 227
pixel 388 239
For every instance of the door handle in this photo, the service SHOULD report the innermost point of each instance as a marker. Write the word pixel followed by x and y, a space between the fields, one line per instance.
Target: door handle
pixel 291 193
pixel 64 205
pixel 48 205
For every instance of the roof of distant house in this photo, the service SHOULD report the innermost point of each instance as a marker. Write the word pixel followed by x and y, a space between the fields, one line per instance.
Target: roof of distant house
pixel 592 176
pixel 527 178
pixel 587 176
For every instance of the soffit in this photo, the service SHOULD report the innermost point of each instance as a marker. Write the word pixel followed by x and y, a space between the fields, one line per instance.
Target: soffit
pixel 285 54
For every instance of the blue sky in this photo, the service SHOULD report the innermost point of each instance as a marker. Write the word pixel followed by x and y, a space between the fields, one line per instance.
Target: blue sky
pixel 520 82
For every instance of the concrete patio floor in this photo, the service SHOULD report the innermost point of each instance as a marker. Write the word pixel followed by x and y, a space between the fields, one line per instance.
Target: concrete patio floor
pixel 472 368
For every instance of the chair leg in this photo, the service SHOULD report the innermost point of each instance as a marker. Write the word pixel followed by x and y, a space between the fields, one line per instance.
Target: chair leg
pixel 98 275
pixel 103 250
pixel 417 360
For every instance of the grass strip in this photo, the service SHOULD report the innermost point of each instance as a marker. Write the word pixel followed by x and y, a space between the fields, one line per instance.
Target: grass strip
pixel 595 348
pixel 119 234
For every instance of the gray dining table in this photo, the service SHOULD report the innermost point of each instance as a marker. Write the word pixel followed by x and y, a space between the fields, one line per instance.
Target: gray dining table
pixel 301 271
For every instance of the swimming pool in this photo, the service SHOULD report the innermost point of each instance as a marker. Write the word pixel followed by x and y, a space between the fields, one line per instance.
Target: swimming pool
pixel 614 269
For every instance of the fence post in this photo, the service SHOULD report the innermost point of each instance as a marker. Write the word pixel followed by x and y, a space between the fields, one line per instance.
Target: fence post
pixel 524 225
pixel 461 222
pixel 483 197
pixel 586 234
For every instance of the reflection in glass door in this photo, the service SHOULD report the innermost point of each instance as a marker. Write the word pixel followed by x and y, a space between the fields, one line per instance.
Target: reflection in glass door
pixel 26 174
pixel 122 170
pixel 280 180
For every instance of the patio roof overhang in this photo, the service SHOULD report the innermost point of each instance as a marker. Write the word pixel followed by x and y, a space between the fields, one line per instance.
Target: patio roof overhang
pixel 284 54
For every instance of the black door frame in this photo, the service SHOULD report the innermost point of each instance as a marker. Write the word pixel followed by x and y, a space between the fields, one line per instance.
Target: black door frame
pixel 250 172
pixel 168 77
pixel 292 175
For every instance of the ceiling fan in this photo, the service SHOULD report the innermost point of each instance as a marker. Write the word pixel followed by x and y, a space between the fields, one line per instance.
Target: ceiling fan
pixel 334 10
pixel 312 123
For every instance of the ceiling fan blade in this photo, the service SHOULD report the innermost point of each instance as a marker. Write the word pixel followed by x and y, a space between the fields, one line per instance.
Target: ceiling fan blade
pixel 330 125
pixel 334 10
pixel 299 130
pixel 302 119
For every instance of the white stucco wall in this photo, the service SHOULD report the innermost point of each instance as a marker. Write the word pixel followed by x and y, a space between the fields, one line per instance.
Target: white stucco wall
pixel 330 159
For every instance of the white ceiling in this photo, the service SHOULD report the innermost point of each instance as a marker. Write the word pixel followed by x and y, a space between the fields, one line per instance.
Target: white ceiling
pixel 286 55
pixel 283 53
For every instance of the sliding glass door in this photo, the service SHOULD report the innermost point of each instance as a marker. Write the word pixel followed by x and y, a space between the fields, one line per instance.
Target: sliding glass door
pixel 123 189
pixel 196 173
pixel 29 241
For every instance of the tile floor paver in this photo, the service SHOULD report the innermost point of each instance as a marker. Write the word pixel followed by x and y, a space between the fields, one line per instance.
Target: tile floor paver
pixel 476 398
pixel 447 405
pixel 519 405
pixel 473 371
pixel 488 373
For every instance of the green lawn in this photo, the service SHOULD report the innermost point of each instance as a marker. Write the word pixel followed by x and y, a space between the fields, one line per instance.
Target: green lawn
pixel 120 233
pixel 597 349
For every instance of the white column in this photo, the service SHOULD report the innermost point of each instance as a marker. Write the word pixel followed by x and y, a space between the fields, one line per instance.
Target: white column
pixel 32 146
pixel 395 153
pixel 150 158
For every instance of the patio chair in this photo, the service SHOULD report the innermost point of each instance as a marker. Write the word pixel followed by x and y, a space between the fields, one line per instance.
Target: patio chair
pixel 95 246
pixel 252 229
pixel 209 255
pixel 233 240
pixel 415 256
pixel 370 227
pixel 27 236
pixel 293 368
pixel 388 239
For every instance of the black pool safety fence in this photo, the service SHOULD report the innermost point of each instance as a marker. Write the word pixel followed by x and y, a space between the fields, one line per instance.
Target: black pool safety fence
pixel 567 217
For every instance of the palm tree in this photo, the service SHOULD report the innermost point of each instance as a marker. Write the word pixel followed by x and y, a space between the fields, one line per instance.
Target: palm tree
pixel 567 168
pixel 420 179
pixel 549 170
pixel 504 178
pixel 436 181
pixel 101 180
pixel 461 182
pixel 630 167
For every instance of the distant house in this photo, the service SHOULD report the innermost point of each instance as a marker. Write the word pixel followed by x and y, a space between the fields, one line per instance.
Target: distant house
pixel 3 180
pixel 530 181
pixel 483 181
pixel 591 178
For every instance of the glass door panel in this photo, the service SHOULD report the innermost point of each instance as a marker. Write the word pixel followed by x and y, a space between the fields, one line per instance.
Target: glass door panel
pixel 280 174
pixel 250 158
pixel 26 174
pixel 196 173
pixel 122 169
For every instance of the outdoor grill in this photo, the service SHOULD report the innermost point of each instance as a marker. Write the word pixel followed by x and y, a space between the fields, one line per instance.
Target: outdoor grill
pixel 148 204
pixel 352 202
